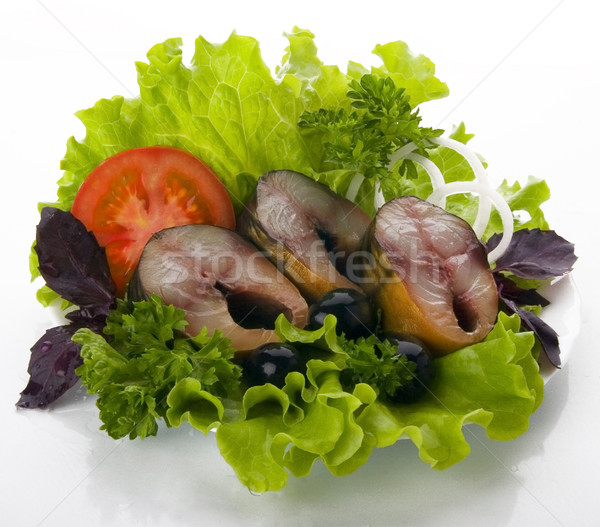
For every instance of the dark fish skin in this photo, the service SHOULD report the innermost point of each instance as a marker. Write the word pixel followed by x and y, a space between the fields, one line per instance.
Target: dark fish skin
pixel 429 274
pixel 306 229
pixel 205 269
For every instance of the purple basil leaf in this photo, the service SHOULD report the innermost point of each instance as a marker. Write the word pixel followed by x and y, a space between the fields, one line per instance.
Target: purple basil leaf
pixel 54 358
pixel 74 266
pixel 509 290
pixel 547 336
pixel 535 254
pixel 92 318
pixel 71 261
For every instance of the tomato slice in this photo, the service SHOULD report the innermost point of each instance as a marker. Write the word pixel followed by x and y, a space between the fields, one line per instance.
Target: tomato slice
pixel 138 192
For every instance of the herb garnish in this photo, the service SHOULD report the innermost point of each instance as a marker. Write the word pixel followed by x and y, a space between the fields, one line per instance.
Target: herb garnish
pixel 364 139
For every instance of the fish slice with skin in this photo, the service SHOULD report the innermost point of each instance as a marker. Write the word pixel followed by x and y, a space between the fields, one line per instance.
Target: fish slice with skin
pixel 305 228
pixel 429 275
pixel 212 273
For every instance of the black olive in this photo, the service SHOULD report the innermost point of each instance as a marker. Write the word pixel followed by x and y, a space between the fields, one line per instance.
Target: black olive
pixel 417 352
pixel 270 363
pixel 353 310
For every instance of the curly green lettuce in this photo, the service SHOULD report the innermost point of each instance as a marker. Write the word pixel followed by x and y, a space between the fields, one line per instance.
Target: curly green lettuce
pixel 495 384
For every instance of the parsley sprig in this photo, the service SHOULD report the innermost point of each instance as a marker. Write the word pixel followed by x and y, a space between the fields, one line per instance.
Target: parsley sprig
pixel 141 357
pixel 375 362
pixel 381 121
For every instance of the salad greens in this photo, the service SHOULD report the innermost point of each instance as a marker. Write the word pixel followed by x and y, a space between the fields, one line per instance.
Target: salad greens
pixel 266 431
pixel 146 357
pixel 381 122
pixel 228 109
pixel 375 362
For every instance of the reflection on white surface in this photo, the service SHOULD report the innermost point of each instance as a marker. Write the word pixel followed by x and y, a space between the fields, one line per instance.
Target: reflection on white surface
pixel 180 475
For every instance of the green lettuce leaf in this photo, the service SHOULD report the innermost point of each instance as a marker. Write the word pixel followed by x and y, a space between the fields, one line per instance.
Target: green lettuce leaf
pixel 317 85
pixel 495 384
pixel 228 109
pixel 189 401
pixel 271 438
pixel 415 73
pixel 224 108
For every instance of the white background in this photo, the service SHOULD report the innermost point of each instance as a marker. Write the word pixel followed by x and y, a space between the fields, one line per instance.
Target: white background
pixel 522 75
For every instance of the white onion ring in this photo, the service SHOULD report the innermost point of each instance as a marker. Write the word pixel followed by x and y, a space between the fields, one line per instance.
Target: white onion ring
pixel 401 153
pixel 481 187
pixel 485 207
pixel 354 186
pixel 484 191
pixel 436 176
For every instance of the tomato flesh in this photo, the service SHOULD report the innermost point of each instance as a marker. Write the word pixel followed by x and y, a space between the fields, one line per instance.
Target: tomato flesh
pixel 138 192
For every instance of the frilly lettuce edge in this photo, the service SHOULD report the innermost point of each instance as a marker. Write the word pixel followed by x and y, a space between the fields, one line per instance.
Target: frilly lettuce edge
pixel 277 432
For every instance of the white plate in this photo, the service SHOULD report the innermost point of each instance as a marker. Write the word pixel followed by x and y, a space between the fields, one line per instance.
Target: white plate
pixel 564 316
